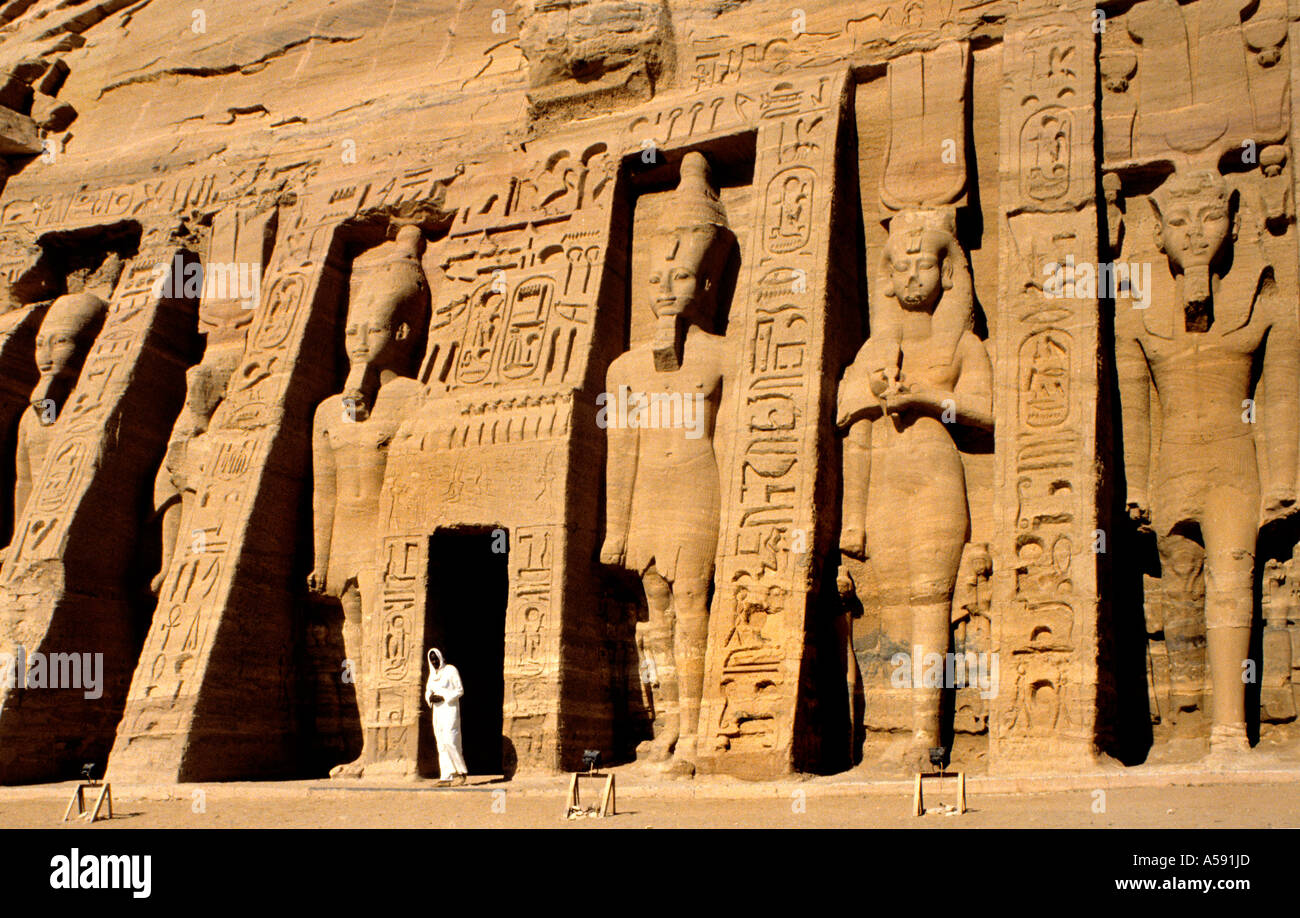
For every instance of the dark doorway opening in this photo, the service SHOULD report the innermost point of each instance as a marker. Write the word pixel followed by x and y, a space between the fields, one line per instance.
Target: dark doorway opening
pixel 469 584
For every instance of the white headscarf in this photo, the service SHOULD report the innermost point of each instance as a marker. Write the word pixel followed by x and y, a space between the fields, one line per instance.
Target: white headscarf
pixel 434 651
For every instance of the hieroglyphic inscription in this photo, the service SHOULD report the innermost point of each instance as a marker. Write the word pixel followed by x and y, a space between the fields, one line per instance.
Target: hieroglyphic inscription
pixel 1045 616
pixel 756 630
pixel 394 670
pixel 532 643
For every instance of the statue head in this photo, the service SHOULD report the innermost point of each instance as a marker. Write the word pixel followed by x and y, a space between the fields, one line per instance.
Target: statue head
pixel 923 269
pixel 916 265
pixel 66 335
pixel 388 303
pixel 1193 212
pixel 689 250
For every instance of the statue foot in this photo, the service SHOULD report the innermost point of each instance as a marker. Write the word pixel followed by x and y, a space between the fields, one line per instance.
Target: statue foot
pixel 657 750
pixel 678 767
pixel 682 764
pixel 350 770
pixel 1228 745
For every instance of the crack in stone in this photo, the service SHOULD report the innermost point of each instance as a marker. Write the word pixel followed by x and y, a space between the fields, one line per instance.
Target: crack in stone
pixel 227 69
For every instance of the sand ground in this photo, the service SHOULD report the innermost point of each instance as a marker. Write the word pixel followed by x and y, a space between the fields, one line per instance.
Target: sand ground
pixel 1168 798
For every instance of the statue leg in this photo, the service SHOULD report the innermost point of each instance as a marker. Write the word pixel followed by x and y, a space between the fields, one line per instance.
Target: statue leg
pixel 659 637
pixel 1229 609
pixel 933 576
pixel 1182 587
pixel 352 603
pixel 1231 528
pixel 690 637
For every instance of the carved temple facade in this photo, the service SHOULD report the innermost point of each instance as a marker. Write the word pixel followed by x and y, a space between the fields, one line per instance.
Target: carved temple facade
pixel 1037 484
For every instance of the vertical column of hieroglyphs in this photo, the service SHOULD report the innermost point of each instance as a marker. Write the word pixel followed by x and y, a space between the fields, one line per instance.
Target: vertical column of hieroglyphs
pixel 63 582
pixel 394 657
pixel 765 573
pixel 1045 614
pixel 208 699
pixel 533 725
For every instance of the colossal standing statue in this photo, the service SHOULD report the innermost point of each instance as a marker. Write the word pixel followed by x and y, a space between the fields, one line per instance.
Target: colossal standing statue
pixel 1215 316
pixel 189 451
pixel 921 372
pixel 388 308
pixel 66 335
pixel 663 490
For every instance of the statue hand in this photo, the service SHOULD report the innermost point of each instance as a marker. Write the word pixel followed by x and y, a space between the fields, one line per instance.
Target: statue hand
pixel 316 581
pixel 882 382
pixel 844 582
pixel 853 542
pixel 913 398
pixel 614 551
pixel 1279 503
pixel 155 585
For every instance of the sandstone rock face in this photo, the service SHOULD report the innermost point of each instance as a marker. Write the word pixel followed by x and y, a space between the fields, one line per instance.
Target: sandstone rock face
pixel 727 387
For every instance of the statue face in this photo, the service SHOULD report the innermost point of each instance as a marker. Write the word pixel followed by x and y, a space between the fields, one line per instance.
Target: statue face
pixel 916 270
pixel 58 350
pixel 677 285
pixel 1193 230
pixel 372 335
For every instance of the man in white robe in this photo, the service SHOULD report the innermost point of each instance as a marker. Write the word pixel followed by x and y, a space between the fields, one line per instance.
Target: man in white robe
pixel 442 693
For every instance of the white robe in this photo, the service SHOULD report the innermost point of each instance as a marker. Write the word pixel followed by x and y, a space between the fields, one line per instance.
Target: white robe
pixel 446 718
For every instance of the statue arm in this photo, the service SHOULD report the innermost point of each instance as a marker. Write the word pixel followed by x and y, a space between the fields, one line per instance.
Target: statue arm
pixel 622 445
pixel 23 470
pixel 1135 422
pixel 322 499
pixel 854 399
pixel 167 504
pixel 857 476
pixel 1280 417
pixel 974 393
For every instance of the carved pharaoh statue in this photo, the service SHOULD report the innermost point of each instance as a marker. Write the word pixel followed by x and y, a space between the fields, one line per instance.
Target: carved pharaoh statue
pixel 662 479
pixel 64 340
pixel 189 450
pixel 921 373
pixel 1215 316
pixel 388 306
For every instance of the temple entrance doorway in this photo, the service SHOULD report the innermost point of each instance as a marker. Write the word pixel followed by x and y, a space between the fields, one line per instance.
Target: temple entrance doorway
pixel 466 619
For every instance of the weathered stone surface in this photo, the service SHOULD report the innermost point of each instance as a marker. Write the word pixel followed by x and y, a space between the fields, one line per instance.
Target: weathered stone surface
pixel 725 387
